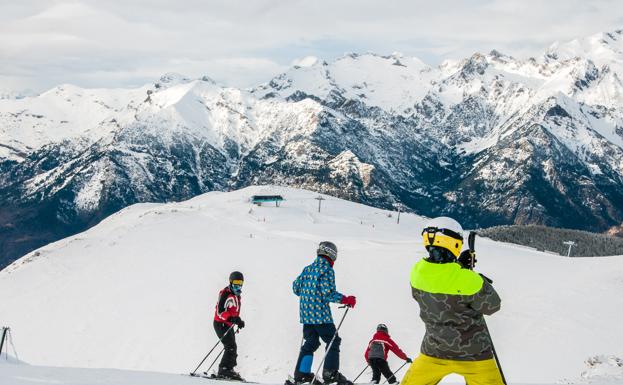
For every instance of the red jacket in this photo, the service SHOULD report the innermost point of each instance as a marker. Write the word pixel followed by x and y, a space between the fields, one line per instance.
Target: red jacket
pixel 228 306
pixel 388 344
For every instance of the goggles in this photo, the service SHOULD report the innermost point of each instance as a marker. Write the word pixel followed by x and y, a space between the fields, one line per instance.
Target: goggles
pixel 433 230
pixel 237 282
pixel 448 239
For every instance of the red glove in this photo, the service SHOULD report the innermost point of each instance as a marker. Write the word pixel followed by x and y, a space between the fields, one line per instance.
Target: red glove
pixel 349 301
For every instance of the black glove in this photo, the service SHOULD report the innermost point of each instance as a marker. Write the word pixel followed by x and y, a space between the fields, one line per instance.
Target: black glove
pixel 465 259
pixel 237 321
pixel 409 360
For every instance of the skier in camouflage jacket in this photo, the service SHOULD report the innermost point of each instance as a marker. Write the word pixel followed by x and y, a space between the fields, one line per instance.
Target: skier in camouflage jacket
pixel 452 299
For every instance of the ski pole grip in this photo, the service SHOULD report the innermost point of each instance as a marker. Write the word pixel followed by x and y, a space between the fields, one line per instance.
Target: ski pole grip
pixel 471 241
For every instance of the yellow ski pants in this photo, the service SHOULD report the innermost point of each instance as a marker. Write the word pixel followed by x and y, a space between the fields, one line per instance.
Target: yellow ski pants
pixel 426 370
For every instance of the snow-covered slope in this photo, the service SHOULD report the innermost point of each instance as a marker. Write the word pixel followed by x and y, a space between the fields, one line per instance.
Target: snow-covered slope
pixel 138 290
pixel 598 373
pixel 11 374
pixel 490 138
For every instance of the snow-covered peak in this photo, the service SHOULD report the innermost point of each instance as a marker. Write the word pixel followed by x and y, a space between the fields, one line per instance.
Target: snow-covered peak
pixel 392 82
pixel 602 48
pixel 171 79
pixel 65 112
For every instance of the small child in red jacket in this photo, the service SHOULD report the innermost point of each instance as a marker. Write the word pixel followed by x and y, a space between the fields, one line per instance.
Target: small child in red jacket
pixel 376 354
pixel 226 315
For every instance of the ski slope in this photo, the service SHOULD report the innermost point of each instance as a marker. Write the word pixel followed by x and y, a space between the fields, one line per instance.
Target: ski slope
pixel 13 374
pixel 137 291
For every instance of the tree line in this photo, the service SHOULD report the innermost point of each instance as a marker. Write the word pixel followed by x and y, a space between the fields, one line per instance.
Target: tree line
pixel 551 239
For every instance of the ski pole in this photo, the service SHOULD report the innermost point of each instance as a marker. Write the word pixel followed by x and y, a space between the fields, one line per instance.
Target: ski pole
pixel 330 344
pixel 471 240
pixel 359 375
pixel 210 352
pixel 10 340
pixel 216 359
pixel 396 372
pixel 219 354
pixel 4 334
pixel 495 354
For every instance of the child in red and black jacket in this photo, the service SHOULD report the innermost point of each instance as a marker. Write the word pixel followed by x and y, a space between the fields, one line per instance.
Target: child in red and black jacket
pixel 226 315
pixel 376 354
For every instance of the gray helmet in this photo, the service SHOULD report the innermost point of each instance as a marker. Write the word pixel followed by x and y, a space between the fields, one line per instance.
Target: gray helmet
pixel 328 249
pixel 382 328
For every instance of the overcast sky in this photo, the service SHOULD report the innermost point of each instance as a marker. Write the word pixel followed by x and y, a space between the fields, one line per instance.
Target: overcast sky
pixel 120 43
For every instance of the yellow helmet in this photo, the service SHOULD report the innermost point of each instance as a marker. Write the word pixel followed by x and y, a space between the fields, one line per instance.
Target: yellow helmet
pixel 443 232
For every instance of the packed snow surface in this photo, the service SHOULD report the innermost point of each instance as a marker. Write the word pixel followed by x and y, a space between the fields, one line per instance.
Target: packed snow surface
pixel 13 374
pixel 137 292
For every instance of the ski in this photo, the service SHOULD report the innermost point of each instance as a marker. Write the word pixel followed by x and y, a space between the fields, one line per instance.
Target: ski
pixel 292 382
pixel 220 378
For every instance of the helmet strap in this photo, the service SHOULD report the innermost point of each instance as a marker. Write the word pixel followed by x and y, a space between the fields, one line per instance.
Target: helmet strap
pixel 431 237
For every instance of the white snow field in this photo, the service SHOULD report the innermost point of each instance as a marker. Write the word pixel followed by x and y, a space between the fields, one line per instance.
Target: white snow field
pixel 137 292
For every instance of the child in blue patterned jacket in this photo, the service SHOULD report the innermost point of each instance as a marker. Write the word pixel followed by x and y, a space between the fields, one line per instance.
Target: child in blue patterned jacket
pixel 315 287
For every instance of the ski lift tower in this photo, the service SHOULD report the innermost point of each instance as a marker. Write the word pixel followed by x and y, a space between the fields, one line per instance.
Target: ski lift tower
pixel 398 207
pixel 570 244
pixel 319 198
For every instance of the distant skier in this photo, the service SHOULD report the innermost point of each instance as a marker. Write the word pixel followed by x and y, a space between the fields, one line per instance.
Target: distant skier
pixel 316 288
pixel 227 314
pixel 376 354
pixel 452 300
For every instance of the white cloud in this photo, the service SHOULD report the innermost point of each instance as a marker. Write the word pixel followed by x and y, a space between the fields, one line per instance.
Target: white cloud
pixel 118 43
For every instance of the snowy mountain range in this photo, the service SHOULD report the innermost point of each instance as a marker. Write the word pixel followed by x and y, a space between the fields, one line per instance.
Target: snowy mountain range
pixel 138 291
pixel 490 139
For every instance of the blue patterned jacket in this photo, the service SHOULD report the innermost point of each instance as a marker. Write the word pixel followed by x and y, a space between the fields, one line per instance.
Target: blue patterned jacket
pixel 316 288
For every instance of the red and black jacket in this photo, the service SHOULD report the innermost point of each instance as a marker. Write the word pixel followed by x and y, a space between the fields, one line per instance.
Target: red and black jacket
pixel 228 306
pixel 388 344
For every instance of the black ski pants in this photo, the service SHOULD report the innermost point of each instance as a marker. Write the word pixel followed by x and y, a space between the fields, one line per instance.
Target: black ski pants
pixel 379 366
pixel 228 338
pixel 312 335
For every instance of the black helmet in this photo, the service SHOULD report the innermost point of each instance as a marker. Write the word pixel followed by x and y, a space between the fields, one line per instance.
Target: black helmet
pixel 382 328
pixel 327 249
pixel 236 276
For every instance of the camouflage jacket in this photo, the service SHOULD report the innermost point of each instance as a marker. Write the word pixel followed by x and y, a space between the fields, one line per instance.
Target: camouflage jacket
pixel 452 303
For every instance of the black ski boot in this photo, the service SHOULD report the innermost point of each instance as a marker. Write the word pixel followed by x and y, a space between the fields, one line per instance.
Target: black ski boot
pixel 334 377
pixel 229 374
pixel 304 378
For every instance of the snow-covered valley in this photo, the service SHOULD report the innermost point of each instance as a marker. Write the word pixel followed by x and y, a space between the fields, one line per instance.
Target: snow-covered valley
pixel 137 292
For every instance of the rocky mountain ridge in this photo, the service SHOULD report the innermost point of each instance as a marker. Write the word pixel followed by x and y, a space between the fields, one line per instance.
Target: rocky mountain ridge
pixel 490 139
